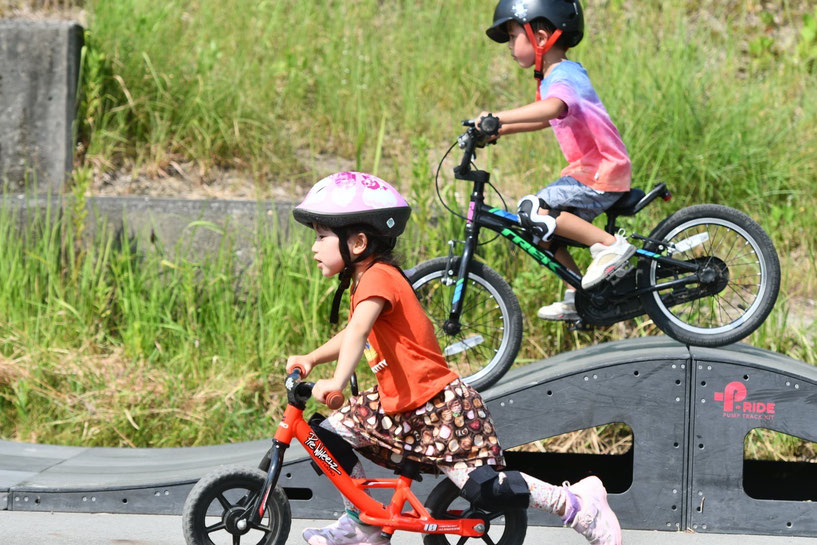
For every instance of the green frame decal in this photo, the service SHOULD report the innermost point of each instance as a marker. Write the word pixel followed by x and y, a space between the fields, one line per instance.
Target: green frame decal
pixel 532 250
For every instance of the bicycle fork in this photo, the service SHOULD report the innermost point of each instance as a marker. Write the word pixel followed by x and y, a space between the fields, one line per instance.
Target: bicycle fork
pixel 452 325
pixel 259 506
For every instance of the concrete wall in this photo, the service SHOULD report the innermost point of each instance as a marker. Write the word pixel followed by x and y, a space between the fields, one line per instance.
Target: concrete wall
pixel 39 68
pixel 194 227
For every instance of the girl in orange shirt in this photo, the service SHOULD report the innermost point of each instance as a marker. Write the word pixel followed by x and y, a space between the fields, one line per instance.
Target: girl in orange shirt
pixel 420 409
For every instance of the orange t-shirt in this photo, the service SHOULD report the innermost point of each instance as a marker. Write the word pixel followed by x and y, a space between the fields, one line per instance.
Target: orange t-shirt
pixel 403 353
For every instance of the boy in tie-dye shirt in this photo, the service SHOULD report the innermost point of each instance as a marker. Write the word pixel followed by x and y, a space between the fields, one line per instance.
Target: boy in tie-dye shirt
pixel 539 33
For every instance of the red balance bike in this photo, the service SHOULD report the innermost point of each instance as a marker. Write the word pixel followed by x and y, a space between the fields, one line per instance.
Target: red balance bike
pixel 234 504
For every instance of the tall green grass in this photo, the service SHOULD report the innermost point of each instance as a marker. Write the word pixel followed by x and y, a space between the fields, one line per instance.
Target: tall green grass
pixel 107 343
pixel 717 100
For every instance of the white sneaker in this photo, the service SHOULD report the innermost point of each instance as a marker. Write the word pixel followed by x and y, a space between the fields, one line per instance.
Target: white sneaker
pixel 595 520
pixel 606 259
pixel 345 531
pixel 560 310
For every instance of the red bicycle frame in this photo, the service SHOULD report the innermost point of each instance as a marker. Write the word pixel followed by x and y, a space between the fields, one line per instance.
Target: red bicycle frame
pixel 390 517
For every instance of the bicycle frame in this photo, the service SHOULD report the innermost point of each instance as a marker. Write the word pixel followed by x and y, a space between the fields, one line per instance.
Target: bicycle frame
pixel 390 517
pixel 507 225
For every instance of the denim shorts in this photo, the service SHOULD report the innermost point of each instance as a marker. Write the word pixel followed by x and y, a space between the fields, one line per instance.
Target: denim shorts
pixel 570 195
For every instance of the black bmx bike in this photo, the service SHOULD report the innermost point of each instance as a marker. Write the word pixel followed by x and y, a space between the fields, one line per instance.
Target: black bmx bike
pixel 707 275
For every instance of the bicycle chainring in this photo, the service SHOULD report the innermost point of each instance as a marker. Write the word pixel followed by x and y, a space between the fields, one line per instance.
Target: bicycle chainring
pixel 611 302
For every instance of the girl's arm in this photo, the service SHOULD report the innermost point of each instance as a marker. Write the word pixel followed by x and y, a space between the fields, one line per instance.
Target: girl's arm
pixel 328 351
pixel 352 345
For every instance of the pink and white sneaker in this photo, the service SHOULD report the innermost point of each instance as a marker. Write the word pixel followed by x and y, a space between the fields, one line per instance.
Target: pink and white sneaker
pixel 594 519
pixel 345 531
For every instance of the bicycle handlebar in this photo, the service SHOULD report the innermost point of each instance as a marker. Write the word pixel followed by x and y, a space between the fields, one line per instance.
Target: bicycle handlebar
pixel 334 399
pixel 478 135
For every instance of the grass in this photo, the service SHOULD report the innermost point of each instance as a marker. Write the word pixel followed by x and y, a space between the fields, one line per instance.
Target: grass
pixel 106 343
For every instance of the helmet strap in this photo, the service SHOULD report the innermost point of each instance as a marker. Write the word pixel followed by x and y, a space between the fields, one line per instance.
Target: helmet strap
pixel 347 272
pixel 540 51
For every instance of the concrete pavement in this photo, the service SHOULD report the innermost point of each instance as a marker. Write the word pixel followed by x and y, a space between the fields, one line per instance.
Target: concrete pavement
pixel 27 528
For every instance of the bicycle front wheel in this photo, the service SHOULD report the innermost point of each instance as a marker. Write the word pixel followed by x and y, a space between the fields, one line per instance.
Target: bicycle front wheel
pixel 213 511
pixel 737 281
pixel 490 332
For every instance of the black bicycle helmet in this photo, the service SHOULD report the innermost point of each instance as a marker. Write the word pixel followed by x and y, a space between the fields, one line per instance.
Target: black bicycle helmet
pixel 565 15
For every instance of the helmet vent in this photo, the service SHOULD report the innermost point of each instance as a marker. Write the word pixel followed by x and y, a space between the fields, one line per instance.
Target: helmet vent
pixel 520 10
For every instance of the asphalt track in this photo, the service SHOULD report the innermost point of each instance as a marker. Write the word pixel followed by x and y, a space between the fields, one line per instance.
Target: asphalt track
pixel 27 528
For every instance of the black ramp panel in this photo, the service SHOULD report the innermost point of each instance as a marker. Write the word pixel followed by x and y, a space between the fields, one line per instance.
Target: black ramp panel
pixel 737 390
pixel 689 411
pixel 642 383
pixel 118 480
pixel 22 461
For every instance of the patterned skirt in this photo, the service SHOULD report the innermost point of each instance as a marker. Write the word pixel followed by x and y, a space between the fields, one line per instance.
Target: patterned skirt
pixel 452 429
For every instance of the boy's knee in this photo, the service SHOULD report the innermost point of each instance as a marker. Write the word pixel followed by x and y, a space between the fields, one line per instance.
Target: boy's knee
pixel 534 216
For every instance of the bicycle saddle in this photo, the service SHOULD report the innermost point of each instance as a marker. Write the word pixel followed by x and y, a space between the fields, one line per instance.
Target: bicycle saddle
pixel 625 206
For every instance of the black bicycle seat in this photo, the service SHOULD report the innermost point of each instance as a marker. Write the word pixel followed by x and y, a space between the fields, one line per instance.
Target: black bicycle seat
pixel 625 206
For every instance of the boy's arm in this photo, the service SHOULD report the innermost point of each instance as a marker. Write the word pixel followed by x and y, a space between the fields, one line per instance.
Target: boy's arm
pixel 531 117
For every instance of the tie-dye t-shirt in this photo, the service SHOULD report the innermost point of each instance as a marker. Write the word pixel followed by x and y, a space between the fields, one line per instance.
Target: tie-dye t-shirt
pixel 589 140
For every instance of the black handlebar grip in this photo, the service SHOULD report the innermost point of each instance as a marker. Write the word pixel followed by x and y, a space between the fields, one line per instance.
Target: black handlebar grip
pixel 489 125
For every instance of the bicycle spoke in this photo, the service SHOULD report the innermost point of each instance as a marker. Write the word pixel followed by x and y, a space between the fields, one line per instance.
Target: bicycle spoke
pixel 739 295
pixel 261 527
pixel 215 527
pixel 223 501
pixel 496 515
pixel 487 539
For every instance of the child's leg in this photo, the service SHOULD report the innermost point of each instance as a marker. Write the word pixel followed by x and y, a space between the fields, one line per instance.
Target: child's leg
pixel 609 252
pixel 565 309
pixel 347 530
pixel 583 506
pixel 575 228
pixel 334 425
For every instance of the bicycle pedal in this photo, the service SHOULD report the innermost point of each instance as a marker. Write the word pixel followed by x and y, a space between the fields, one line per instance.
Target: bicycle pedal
pixel 578 325
pixel 620 273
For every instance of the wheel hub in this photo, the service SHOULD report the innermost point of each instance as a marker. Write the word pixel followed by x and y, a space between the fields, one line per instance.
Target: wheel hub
pixel 231 520
pixel 451 328
pixel 478 514
pixel 708 275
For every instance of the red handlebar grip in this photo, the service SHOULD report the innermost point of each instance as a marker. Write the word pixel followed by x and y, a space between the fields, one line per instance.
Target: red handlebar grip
pixel 334 400
pixel 299 368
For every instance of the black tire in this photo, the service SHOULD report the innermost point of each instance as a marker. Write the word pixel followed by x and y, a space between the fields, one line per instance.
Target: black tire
pixel 490 315
pixel 221 496
pixel 446 497
pixel 741 290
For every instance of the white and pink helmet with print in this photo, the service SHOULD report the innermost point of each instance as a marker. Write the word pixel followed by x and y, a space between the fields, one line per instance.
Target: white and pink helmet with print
pixel 354 198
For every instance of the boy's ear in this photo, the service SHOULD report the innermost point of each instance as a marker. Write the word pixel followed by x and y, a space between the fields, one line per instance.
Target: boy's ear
pixel 542 36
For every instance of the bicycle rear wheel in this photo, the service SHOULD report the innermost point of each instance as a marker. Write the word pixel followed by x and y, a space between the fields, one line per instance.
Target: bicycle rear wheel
pixel 491 321
pixel 504 527
pixel 738 280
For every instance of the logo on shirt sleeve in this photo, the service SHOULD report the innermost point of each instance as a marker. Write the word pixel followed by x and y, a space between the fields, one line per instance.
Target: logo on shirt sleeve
pixel 369 353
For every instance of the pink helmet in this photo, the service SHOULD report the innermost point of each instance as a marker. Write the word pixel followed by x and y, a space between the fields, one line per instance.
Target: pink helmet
pixel 354 198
